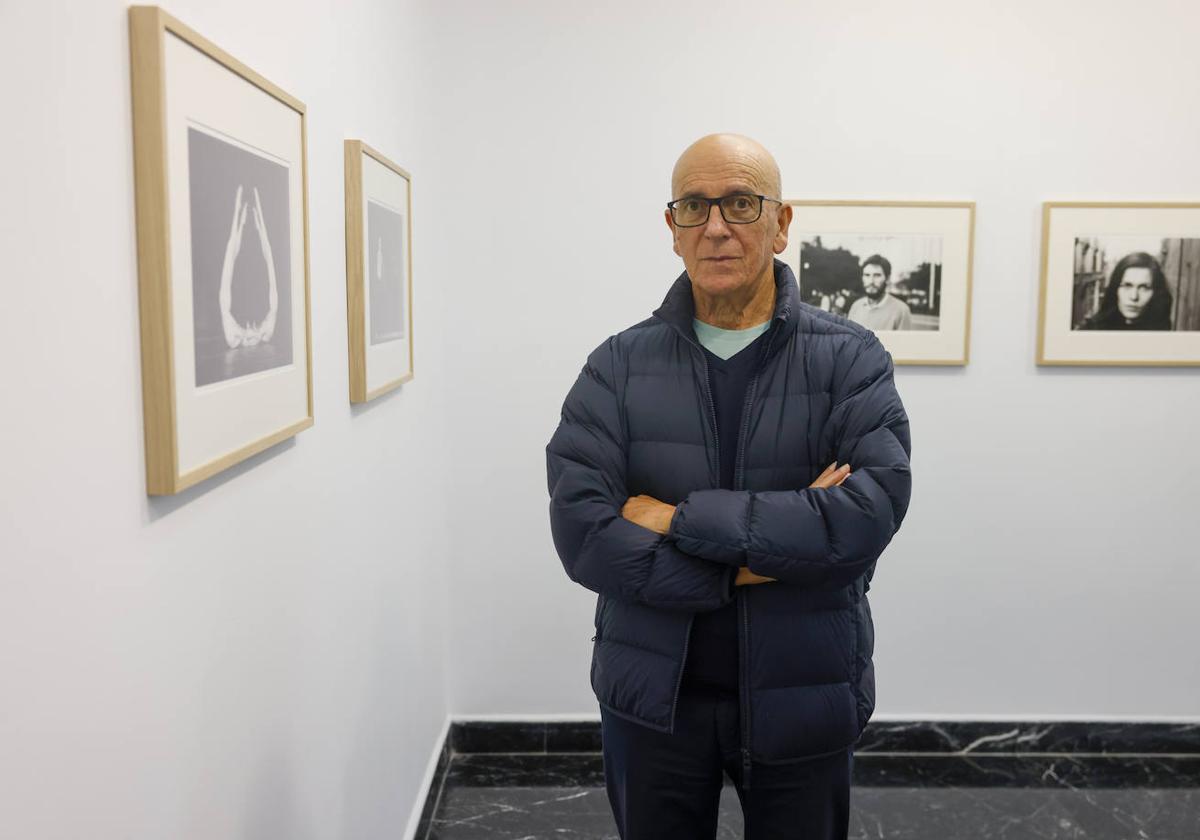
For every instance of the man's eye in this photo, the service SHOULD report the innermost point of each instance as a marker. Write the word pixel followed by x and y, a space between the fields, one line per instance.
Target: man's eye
pixel 741 203
pixel 691 206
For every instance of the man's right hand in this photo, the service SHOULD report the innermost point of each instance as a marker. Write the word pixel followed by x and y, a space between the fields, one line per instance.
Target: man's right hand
pixel 831 477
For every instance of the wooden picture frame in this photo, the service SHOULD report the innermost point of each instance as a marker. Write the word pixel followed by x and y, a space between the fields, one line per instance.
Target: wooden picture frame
pixel 1119 284
pixel 220 382
pixel 920 255
pixel 379 307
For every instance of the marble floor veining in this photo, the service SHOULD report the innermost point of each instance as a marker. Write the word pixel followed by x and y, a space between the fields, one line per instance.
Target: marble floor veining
pixel 896 796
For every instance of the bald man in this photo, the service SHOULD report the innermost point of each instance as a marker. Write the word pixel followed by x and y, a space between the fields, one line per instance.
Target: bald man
pixel 725 476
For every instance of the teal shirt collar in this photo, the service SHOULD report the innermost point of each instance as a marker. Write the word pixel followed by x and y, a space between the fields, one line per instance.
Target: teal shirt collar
pixel 725 343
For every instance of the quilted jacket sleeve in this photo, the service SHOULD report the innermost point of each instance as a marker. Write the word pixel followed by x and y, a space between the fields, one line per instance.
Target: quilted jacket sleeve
pixel 815 536
pixel 600 549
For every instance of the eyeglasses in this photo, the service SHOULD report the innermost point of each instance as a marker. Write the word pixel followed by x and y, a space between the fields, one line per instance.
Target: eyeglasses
pixel 736 209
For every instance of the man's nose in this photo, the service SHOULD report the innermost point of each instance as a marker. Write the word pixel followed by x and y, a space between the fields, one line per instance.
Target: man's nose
pixel 715 224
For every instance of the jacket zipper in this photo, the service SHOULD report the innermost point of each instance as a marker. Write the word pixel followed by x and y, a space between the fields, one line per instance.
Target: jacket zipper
pixel 714 464
pixel 687 637
pixel 743 607
pixel 743 604
pixel 744 677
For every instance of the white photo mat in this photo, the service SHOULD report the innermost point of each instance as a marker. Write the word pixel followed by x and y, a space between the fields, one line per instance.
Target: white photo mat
pixel 216 420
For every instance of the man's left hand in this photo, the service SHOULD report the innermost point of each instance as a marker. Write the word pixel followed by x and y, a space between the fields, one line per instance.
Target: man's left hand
pixel 649 512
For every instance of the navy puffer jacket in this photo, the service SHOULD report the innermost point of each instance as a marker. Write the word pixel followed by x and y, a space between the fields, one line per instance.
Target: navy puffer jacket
pixel 639 419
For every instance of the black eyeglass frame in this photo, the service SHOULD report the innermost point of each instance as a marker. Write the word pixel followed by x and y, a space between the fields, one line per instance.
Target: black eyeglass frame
pixel 717 201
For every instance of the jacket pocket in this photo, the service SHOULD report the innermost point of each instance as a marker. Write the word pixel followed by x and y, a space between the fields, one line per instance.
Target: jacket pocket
pixel 597 618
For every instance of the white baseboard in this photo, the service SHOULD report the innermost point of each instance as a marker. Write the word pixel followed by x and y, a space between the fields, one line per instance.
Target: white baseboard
pixel 427 782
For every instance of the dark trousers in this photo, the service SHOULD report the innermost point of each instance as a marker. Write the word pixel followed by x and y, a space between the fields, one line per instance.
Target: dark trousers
pixel 668 787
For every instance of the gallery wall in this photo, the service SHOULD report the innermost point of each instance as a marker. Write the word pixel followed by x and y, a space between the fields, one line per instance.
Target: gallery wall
pixel 263 656
pixel 1047 567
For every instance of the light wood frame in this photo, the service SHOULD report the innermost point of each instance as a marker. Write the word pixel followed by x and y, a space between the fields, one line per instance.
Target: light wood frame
pixel 962 205
pixel 1047 207
pixel 355 273
pixel 148 27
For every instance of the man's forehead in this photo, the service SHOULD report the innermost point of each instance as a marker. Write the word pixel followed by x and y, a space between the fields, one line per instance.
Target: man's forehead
pixel 717 163
pixel 724 175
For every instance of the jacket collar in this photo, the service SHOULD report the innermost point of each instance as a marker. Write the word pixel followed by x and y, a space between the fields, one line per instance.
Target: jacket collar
pixel 679 307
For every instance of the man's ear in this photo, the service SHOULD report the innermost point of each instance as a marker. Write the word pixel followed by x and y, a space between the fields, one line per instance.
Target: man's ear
pixel 674 232
pixel 785 221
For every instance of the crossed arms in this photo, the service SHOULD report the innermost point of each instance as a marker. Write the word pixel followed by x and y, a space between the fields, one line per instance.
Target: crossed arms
pixel 827 534
pixel 649 512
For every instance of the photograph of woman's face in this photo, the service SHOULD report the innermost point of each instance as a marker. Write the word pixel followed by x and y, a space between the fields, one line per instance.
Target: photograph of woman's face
pixel 1135 291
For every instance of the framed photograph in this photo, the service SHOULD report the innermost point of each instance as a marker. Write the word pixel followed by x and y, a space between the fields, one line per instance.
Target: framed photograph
pixel 1120 284
pixel 901 269
pixel 378 272
pixel 222 238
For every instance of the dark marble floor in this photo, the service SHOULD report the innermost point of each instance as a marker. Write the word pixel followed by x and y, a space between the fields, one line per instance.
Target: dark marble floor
pixel 923 782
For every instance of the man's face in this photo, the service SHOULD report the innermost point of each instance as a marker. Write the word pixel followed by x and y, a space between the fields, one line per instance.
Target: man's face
pixel 1135 291
pixel 721 258
pixel 874 281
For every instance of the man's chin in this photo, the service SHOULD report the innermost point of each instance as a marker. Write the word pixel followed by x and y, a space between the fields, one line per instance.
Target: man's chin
pixel 717 278
pixel 718 285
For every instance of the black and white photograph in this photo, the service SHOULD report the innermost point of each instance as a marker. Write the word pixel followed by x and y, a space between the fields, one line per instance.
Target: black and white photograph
pixel 1136 283
pixel 379 308
pixel 385 273
pixel 902 269
pixel 884 282
pixel 1120 284
pixel 240 250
